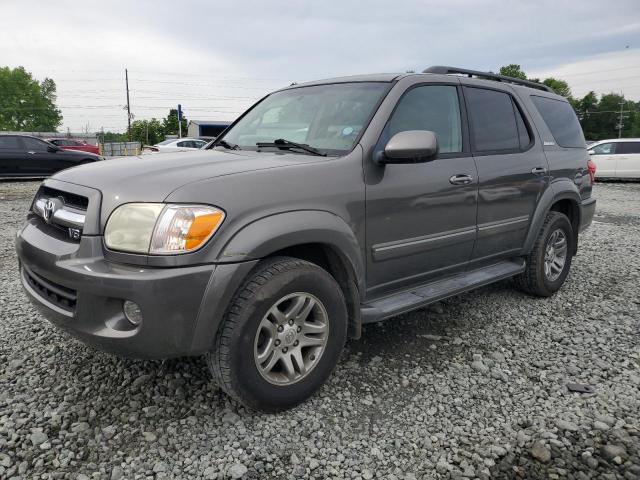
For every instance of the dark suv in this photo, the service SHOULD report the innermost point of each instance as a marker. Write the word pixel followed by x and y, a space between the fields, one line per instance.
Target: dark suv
pixel 325 206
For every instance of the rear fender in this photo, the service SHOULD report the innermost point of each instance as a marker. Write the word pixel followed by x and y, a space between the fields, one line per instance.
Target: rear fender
pixel 559 190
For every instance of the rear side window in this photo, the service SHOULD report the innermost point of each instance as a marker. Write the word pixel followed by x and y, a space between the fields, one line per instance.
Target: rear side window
pixel 628 147
pixel 497 124
pixel 9 143
pixel 561 120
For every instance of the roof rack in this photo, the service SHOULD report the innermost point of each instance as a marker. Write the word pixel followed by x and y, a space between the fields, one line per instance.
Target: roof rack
pixel 489 76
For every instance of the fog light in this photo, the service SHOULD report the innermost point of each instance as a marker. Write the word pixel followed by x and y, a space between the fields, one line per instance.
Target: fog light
pixel 132 312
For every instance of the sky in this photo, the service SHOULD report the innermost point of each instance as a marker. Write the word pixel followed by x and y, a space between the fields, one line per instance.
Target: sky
pixel 218 58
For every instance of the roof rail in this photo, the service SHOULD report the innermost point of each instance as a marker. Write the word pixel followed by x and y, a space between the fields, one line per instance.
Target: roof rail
pixel 489 76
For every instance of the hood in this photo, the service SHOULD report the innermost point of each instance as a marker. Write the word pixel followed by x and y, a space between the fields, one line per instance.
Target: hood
pixel 151 178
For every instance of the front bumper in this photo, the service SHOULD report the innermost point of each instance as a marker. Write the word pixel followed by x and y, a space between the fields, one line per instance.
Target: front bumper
pixel 78 290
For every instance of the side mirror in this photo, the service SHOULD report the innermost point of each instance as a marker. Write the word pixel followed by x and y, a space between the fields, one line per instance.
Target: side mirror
pixel 411 146
pixel 591 152
pixel 53 149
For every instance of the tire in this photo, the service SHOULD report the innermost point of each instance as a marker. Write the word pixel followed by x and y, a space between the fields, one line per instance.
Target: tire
pixel 246 332
pixel 536 279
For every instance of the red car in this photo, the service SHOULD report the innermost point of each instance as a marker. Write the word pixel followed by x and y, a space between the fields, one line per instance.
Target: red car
pixel 70 144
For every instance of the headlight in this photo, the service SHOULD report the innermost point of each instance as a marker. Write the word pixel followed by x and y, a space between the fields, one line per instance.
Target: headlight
pixel 161 229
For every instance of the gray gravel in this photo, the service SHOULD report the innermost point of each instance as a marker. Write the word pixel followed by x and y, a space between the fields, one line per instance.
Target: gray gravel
pixel 471 387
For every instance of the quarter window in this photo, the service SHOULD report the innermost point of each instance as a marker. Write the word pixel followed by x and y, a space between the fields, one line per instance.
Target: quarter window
pixel 628 147
pixel 495 126
pixel 431 107
pixel 561 120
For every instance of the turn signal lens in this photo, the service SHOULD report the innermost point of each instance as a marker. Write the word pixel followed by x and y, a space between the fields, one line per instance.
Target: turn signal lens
pixel 201 228
pixel 183 228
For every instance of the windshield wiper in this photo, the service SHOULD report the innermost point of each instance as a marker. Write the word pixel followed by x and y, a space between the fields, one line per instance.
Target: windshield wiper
pixel 228 145
pixel 282 143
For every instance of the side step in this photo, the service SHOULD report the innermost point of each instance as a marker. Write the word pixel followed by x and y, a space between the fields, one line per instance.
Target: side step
pixel 421 296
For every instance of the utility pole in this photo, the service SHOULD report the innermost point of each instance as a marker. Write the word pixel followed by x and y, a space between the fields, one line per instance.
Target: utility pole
pixel 620 125
pixel 126 77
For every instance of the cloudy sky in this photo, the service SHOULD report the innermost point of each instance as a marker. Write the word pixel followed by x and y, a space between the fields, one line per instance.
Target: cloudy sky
pixel 217 58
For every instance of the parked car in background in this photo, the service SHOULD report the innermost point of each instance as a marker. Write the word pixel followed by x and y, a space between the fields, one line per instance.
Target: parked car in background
pixel 177 145
pixel 71 144
pixel 616 158
pixel 25 156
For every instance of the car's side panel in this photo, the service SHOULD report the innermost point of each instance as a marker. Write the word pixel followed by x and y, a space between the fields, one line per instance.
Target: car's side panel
pixel 509 189
pixel 629 167
pixel 412 235
pixel 605 165
pixel 12 160
pixel 276 232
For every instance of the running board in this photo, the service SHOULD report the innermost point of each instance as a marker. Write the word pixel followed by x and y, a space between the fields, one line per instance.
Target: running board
pixel 419 297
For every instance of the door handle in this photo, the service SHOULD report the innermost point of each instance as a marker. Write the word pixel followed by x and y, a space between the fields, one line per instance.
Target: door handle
pixel 31 152
pixel 461 179
pixel 539 170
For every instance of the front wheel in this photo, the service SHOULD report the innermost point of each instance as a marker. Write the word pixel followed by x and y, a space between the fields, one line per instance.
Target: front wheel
pixel 282 335
pixel 549 262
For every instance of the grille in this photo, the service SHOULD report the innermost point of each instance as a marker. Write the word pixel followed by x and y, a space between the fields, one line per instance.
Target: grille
pixel 62 210
pixel 62 297
pixel 70 199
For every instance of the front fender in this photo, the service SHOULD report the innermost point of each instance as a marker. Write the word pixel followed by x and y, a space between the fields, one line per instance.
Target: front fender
pixel 560 189
pixel 269 234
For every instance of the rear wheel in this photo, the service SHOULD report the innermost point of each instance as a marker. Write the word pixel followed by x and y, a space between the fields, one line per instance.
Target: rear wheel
pixel 282 335
pixel 549 262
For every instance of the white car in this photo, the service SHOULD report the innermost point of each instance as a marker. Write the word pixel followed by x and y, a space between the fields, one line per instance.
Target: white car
pixel 177 145
pixel 616 158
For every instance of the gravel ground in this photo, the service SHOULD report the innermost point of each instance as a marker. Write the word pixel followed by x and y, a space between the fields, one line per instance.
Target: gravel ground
pixel 471 387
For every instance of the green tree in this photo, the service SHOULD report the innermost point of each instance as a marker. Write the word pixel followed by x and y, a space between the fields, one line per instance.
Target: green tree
pixel 112 137
pixel 170 124
pixel 559 86
pixel 148 132
pixel 26 104
pixel 512 70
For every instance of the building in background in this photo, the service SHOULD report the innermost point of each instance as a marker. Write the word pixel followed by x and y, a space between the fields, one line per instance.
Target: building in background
pixel 206 128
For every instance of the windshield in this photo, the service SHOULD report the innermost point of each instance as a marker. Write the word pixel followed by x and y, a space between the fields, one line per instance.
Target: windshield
pixel 328 118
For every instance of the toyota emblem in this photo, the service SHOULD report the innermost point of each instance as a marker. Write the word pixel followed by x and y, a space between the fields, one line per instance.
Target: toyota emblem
pixel 49 209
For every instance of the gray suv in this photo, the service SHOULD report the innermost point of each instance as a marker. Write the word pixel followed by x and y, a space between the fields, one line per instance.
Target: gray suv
pixel 325 206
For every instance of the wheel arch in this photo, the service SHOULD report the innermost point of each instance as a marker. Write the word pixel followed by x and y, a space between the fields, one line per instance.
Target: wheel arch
pixel 563 197
pixel 319 237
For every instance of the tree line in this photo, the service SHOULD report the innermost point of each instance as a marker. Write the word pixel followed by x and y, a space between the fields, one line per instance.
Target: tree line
pixel 148 132
pixel 30 106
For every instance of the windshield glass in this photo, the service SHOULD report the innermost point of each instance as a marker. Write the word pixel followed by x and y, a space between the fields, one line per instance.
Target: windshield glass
pixel 326 117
